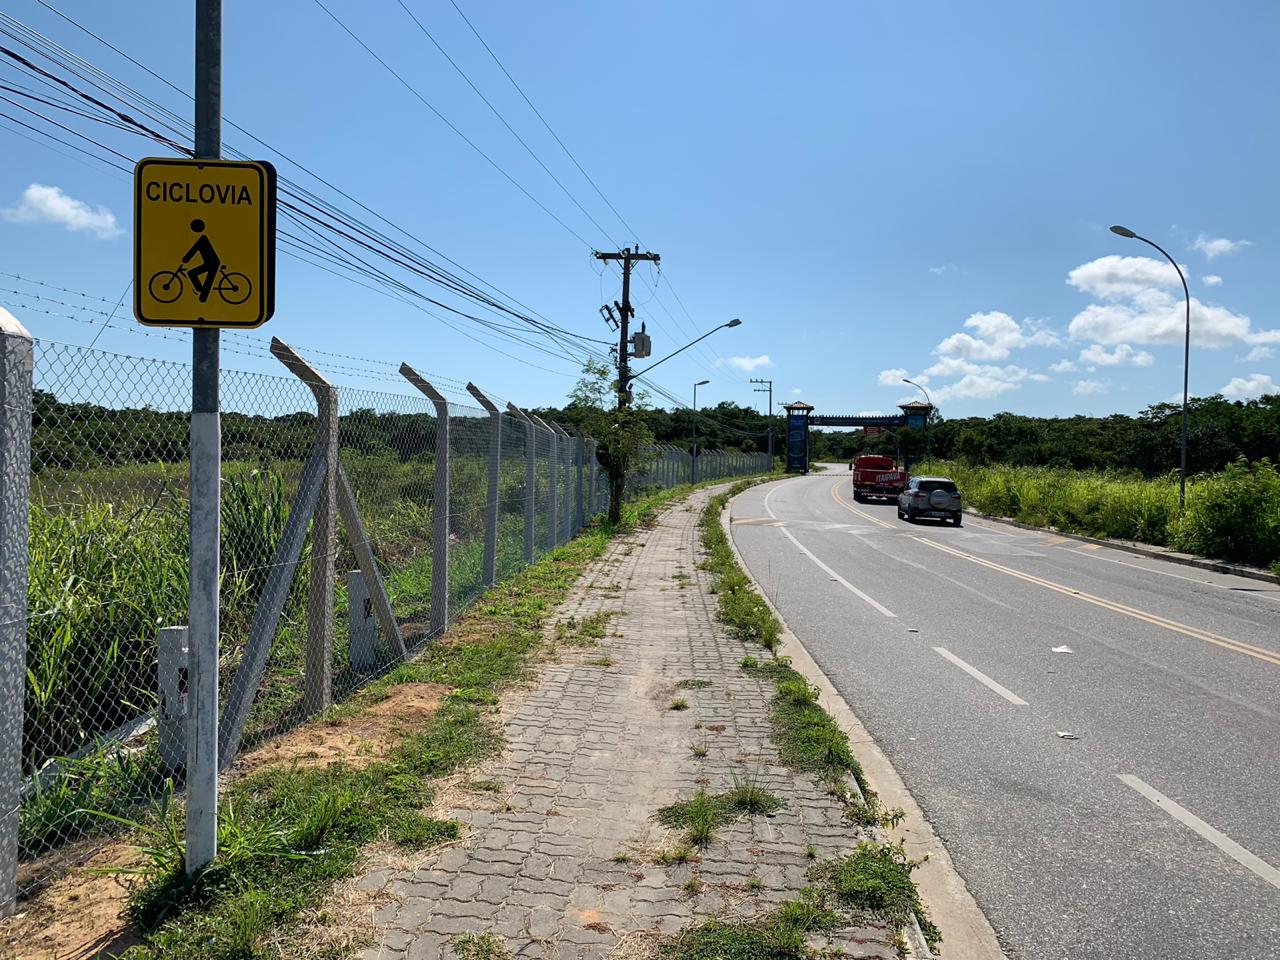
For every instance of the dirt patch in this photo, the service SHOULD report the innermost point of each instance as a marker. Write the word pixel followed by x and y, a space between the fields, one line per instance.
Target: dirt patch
pixel 79 915
pixel 356 738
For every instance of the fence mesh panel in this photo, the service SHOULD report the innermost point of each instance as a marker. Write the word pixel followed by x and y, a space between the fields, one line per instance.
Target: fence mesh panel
pixel 108 549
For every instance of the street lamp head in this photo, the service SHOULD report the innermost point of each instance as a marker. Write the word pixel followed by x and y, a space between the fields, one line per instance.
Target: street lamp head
pixel 702 383
pixel 905 380
pixel 1125 232
pixel 735 322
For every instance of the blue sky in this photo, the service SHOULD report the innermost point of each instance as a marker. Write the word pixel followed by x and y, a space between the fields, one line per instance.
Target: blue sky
pixel 877 191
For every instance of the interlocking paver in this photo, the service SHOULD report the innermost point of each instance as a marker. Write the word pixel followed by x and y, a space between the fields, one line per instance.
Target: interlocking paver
pixel 593 753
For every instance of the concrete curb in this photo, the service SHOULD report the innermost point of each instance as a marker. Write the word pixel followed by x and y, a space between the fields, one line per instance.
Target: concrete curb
pixel 1140 549
pixel 966 931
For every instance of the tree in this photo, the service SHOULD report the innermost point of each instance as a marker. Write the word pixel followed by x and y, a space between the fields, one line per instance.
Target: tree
pixel 620 434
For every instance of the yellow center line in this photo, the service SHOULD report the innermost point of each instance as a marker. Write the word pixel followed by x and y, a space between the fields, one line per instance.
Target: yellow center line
pixel 835 495
pixel 1237 646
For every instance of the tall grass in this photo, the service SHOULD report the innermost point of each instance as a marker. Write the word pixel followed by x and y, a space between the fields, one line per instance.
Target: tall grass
pixel 1232 515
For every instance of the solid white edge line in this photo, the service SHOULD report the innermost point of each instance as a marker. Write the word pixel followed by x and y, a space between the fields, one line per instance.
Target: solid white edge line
pixel 1219 839
pixel 836 577
pixel 981 677
pixel 822 566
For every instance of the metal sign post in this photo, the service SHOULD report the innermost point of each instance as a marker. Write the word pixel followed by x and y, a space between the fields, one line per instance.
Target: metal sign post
pixel 206 493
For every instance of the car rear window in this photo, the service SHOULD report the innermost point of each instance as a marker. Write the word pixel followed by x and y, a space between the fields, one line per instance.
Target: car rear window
pixel 928 486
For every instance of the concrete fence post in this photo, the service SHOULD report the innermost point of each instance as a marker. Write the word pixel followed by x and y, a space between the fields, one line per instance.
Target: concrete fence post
pixel 317 690
pixel 564 506
pixel 491 504
pixel 530 480
pixel 362 628
pixel 593 500
pixel 17 371
pixel 553 531
pixel 439 504
pixel 579 490
pixel 171 679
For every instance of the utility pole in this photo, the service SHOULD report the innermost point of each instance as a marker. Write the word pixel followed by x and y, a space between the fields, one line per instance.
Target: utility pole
pixel 618 470
pixel 769 391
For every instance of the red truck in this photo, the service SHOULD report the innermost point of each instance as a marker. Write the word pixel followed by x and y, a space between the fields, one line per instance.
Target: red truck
pixel 876 476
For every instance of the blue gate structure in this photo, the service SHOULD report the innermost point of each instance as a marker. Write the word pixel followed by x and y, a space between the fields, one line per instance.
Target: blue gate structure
pixel 798 436
pixel 800 417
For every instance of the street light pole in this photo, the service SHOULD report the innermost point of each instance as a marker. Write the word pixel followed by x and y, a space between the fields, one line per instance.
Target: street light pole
pixel 1186 354
pixel 929 400
pixel 693 469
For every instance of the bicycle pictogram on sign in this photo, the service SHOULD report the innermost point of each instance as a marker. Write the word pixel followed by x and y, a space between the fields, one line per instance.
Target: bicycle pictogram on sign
pixel 213 277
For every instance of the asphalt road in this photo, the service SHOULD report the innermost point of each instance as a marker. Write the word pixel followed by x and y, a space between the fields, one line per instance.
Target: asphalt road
pixel 1155 832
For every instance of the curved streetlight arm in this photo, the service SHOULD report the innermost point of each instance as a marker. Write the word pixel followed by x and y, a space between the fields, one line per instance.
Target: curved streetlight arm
pixel 921 389
pixel 1186 356
pixel 641 373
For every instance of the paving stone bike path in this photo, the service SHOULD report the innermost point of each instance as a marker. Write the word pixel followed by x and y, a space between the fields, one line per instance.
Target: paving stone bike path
pixel 593 752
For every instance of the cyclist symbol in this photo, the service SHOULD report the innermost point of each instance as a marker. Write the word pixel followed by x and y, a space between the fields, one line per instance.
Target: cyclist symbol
pixel 211 276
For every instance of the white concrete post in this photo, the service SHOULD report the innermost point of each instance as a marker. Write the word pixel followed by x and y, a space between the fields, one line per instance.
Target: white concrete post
pixel 553 531
pixel 17 359
pixel 491 504
pixel 565 467
pixel 439 505
pixel 362 627
pixel 171 678
pixel 317 690
pixel 530 480
pixel 593 498
pixel 579 490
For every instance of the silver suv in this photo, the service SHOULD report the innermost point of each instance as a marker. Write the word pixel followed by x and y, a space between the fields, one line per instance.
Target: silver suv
pixel 930 497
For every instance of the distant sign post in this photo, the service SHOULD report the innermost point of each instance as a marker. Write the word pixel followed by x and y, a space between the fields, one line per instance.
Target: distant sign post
pixel 204 243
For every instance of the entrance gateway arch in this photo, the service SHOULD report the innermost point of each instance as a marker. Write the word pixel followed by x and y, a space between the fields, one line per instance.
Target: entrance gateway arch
pixel 800 417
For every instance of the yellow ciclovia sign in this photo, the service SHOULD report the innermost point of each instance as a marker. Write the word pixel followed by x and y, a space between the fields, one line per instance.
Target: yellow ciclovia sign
pixel 203 242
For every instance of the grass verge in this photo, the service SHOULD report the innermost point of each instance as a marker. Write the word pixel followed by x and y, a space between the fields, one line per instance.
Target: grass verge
pixel 876 878
pixel 286 835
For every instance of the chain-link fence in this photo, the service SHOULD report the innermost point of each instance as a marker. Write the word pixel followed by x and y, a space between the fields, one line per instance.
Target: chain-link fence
pixel 356 525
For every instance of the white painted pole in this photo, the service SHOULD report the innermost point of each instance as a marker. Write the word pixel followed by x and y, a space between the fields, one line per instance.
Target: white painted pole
pixel 16 375
pixel 205 493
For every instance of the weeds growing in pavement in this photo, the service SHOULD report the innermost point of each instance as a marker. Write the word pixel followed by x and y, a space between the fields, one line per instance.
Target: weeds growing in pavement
pixel 287 835
pixel 874 881
pixel 680 703
pixel 738 606
pixel 702 814
pixel 693 684
pixel 479 946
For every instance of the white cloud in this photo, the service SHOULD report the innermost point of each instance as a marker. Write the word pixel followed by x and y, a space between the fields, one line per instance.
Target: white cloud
pixel 43 204
pixel 1254 385
pixel 892 377
pixel 1064 366
pixel 1087 388
pixel 1098 355
pixel 1211 280
pixel 1040 378
pixel 796 392
pixel 945 268
pixel 1218 246
pixel 1144 305
pixel 748 364
pixel 1258 353
pixel 995 335
pixel 980 381
pixel 869 413
pixel 1117 278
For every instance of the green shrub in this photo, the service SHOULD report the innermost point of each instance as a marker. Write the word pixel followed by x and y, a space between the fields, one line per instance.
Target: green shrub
pixel 1234 515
